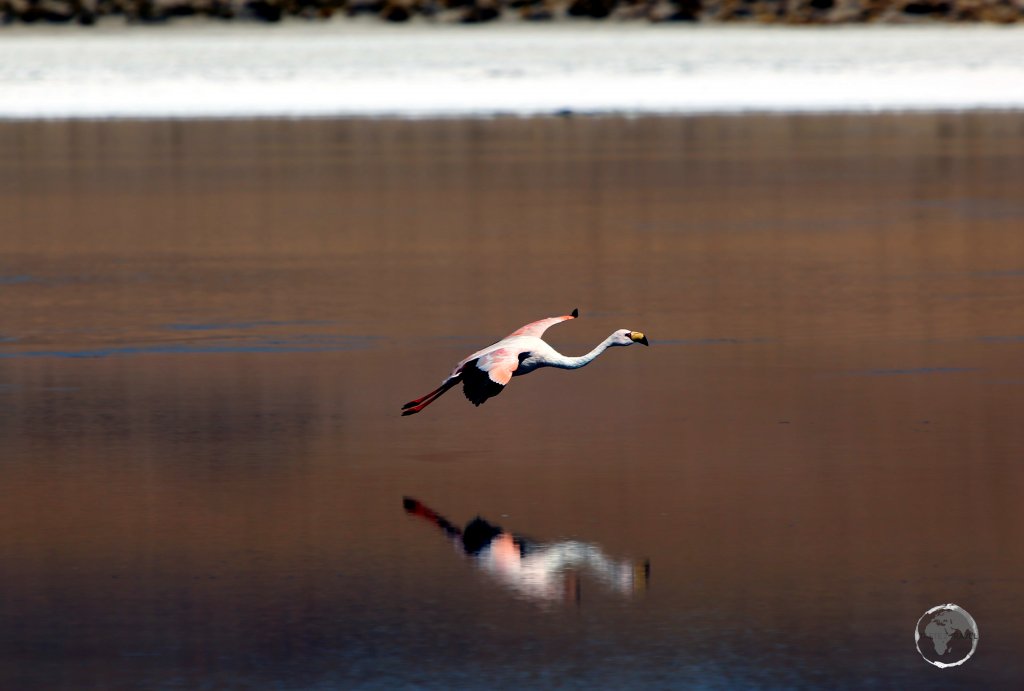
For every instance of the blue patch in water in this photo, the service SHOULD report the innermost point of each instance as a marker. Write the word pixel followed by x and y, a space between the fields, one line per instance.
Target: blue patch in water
pixel 223 326
pixel 1001 339
pixel 11 280
pixel 1009 273
pixel 707 341
pixel 322 339
pixel 915 370
pixel 975 208
pixel 340 343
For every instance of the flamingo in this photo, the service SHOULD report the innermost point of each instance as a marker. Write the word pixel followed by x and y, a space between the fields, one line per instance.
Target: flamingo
pixel 486 372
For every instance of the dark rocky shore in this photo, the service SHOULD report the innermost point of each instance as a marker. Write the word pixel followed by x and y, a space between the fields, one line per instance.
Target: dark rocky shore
pixel 88 12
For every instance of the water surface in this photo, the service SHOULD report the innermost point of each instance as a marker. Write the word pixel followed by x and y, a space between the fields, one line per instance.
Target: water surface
pixel 209 327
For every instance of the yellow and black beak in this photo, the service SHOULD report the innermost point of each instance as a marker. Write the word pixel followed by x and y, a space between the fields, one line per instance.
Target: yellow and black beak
pixel 638 337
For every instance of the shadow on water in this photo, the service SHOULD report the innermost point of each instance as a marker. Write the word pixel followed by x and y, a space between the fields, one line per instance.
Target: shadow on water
pixel 544 572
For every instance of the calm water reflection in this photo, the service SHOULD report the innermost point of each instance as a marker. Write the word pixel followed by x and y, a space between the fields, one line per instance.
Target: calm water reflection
pixel 534 570
pixel 207 329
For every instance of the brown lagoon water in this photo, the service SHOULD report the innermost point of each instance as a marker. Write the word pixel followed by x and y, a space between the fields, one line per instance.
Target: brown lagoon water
pixel 207 330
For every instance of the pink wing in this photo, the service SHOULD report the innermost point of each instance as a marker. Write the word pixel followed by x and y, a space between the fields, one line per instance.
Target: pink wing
pixel 538 327
pixel 485 376
pixel 499 365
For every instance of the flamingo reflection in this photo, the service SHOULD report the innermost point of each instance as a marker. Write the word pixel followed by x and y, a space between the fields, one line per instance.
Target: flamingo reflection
pixel 542 571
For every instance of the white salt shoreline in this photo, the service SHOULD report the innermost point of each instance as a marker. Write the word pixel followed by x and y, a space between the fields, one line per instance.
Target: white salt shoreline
pixel 359 69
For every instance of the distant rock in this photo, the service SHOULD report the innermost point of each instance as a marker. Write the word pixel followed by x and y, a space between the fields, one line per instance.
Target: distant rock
pixel 89 12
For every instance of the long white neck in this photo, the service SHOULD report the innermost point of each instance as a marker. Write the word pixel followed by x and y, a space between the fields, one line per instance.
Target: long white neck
pixel 566 362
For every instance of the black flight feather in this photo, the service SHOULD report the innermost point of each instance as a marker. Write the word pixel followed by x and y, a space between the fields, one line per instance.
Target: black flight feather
pixel 477 385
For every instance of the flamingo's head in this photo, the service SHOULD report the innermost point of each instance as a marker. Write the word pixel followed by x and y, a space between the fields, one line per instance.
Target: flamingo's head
pixel 625 337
